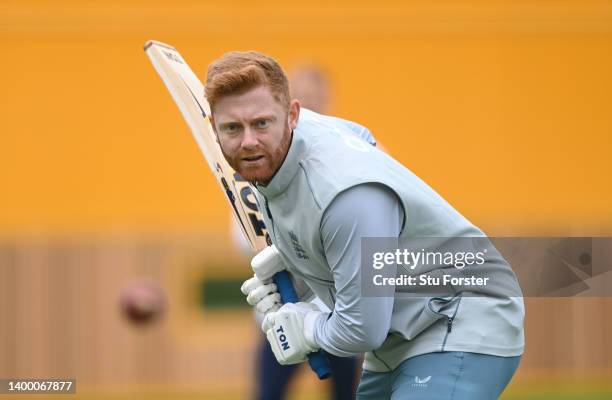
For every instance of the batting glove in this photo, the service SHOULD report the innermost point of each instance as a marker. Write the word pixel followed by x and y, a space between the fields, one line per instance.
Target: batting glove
pixel 263 295
pixel 290 331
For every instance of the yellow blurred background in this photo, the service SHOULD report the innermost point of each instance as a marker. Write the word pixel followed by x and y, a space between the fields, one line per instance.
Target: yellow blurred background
pixel 504 107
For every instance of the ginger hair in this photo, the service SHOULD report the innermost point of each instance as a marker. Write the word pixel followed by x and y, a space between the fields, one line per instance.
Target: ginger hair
pixel 237 72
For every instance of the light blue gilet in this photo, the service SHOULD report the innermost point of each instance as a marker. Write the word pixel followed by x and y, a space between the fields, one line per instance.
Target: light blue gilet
pixel 326 158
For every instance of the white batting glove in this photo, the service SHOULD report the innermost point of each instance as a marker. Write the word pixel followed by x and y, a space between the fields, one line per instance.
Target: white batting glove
pixel 263 295
pixel 267 262
pixel 290 331
pixel 260 291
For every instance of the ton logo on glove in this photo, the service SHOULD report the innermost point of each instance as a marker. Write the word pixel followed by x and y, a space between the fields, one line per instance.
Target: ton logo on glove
pixel 282 338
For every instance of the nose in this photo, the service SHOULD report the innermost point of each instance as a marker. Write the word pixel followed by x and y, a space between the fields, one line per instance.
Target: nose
pixel 249 139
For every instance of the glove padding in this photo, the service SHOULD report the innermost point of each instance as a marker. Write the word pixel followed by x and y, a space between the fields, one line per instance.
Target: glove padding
pixel 263 295
pixel 290 331
pixel 267 263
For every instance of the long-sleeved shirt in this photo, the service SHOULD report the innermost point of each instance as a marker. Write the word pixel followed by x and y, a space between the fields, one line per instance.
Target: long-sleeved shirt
pixel 358 324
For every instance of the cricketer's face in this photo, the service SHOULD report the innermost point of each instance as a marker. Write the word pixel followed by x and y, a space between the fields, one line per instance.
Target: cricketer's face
pixel 254 131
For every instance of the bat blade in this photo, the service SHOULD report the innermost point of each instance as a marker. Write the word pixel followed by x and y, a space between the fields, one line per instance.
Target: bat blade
pixel 188 93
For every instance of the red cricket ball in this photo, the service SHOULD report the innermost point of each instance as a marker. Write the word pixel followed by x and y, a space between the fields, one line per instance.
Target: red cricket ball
pixel 143 301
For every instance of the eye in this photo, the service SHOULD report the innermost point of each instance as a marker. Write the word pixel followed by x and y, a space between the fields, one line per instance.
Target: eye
pixel 262 123
pixel 231 128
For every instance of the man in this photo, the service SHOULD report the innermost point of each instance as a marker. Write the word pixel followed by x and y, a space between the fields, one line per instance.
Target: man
pixel 323 190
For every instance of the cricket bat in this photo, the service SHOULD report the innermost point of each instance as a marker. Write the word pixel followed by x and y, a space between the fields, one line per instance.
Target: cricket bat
pixel 188 93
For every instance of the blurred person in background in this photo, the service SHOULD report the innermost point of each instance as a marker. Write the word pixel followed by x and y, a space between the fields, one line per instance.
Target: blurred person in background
pixel 310 84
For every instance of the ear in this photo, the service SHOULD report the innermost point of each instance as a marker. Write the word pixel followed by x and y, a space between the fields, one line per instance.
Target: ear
pixel 294 113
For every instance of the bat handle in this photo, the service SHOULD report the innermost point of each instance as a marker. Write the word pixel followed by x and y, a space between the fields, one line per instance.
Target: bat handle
pixel 318 360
